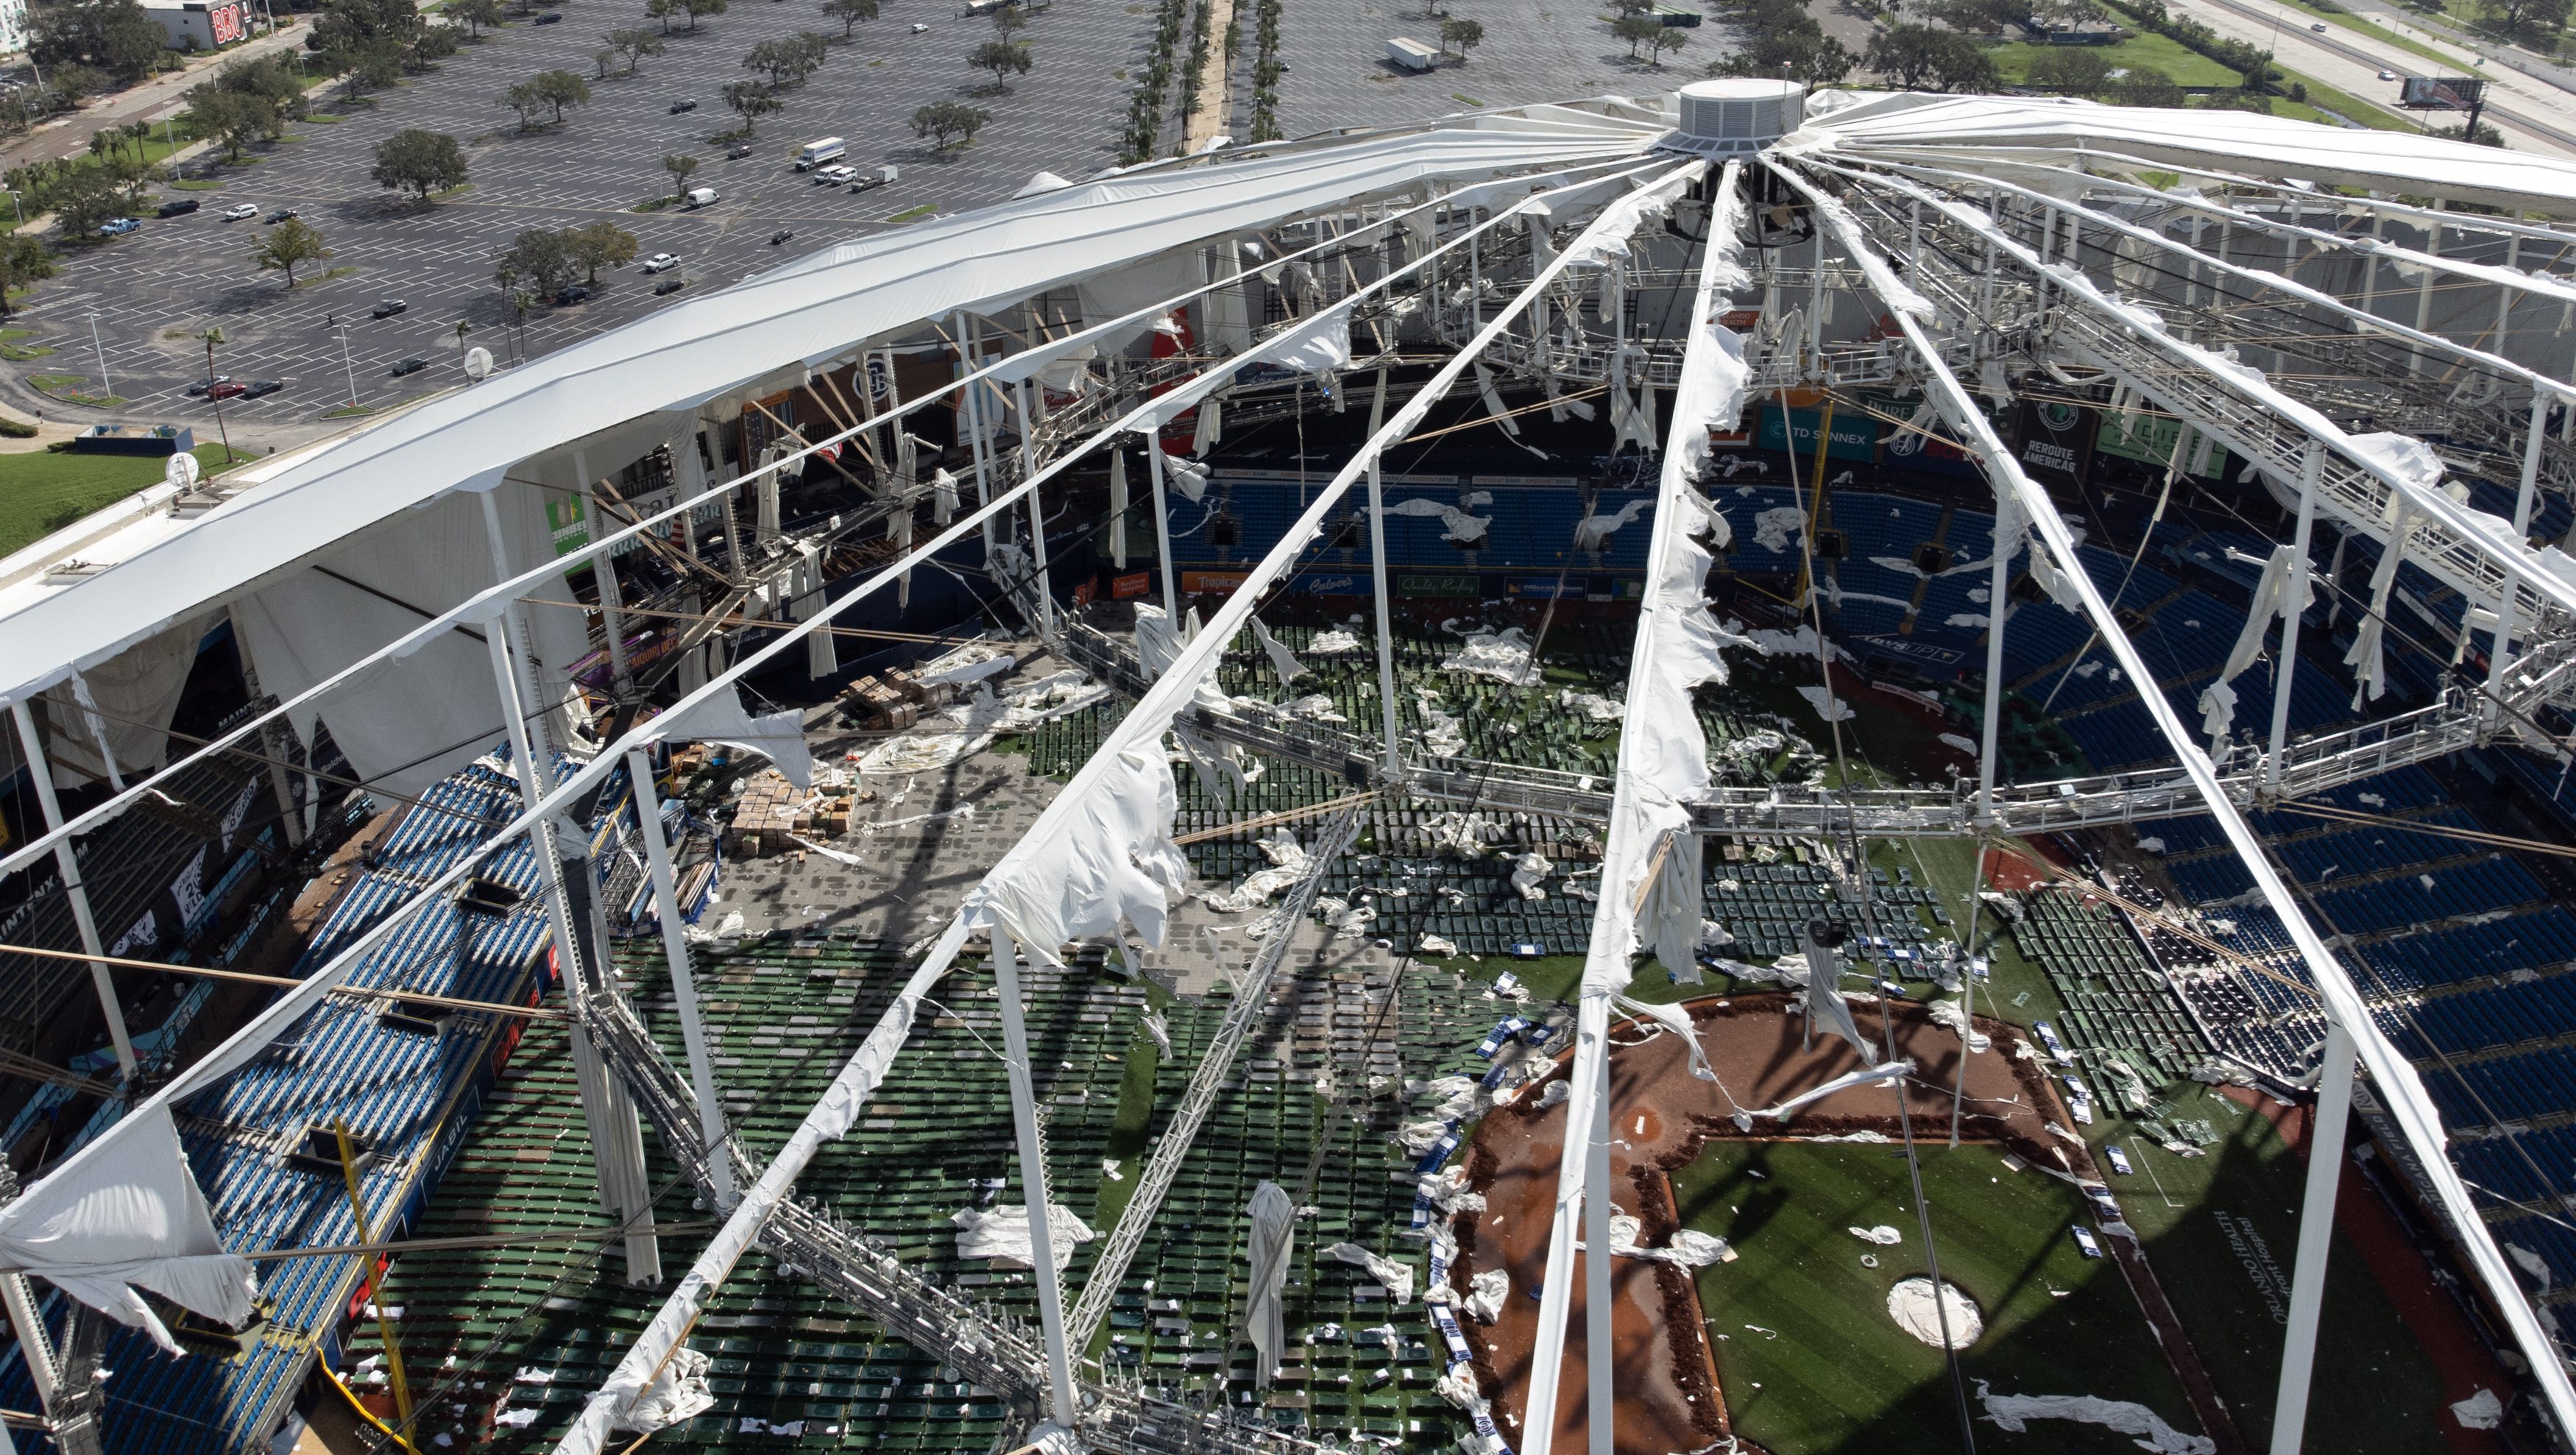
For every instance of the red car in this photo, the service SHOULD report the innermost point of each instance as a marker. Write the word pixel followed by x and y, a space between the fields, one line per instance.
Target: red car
pixel 227 389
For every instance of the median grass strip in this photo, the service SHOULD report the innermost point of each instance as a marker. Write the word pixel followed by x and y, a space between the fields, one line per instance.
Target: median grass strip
pixel 44 491
pixel 2187 67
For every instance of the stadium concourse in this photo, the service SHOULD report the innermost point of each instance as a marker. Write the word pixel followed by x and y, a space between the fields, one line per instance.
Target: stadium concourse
pixel 1697 772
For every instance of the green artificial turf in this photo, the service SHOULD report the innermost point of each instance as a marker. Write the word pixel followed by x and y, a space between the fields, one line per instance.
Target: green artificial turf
pixel 1807 1356
pixel 2209 1223
pixel 42 492
pixel 1126 1144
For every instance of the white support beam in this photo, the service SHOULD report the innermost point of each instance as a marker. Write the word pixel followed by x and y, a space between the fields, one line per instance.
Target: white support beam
pixel 2285 671
pixel 40 772
pixel 684 981
pixel 2401 1090
pixel 2326 1128
pixel 1033 1176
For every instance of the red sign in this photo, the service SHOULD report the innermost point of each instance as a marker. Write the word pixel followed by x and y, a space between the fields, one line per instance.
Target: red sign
pixel 1218 583
pixel 227 23
pixel 1122 587
pixel 1740 319
pixel 1082 594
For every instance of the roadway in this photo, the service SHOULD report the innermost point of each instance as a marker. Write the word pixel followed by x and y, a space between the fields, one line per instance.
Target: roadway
pixel 2533 115
pixel 163 96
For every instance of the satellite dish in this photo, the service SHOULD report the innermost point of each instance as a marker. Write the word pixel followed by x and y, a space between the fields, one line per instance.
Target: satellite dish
pixel 181 472
pixel 478 364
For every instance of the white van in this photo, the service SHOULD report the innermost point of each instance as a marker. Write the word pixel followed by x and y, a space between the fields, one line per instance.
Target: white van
pixel 815 153
pixel 702 196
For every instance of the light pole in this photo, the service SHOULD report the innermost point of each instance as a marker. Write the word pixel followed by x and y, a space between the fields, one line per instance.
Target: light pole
pixel 343 331
pixel 13 202
pixel 105 384
pixel 214 336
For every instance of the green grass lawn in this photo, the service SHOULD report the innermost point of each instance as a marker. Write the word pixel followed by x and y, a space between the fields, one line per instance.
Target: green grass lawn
pixel 42 492
pixel 2343 103
pixel 2186 67
pixel 1808 1358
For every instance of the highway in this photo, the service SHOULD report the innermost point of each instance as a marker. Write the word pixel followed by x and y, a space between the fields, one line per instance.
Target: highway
pixel 2533 115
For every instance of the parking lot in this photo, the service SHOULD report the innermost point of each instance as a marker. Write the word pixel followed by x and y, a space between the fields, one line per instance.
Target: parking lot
pixel 152 293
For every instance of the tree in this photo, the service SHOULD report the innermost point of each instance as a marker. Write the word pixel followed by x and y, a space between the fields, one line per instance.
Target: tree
pixel 1665 38
pixel 1919 58
pixel 751 101
pixel 850 13
pixel 233 117
pixel 596 245
pixel 287 244
pixel 1636 30
pixel 696 8
pixel 88 196
pixel 788 60
pixel 347 28
pixel 73 80
pixel 1004 58
pixel 523 99
pixel 2147 86
pixel 637 42
pixel 2077 70
pixel 662 10
pixel 560 89
pixel 1466 35
pixel 23 260
pixel 941 120
pixel 601 57
pixel 537 259
pixel 434 43
pixel 113 36
pixel 424 161
pixel 476 14
pixel 367 66
pixel 679 165
pixel 1009 20
pixel 1780 39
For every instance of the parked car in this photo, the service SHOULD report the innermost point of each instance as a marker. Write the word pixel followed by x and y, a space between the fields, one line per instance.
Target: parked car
pixel 920 29
pixel 228 389
pixel 551 17
pixel 119 227
pixel 683 104
pixel 668 285
pixel 204 387
pixel 390 307
pixel 241 212
pixel 740 150
pixel 262 388
pixel 180 206
pixel 660 263
pixel 410 366
pixel 281 214
pixel 570 295
pixel 780 236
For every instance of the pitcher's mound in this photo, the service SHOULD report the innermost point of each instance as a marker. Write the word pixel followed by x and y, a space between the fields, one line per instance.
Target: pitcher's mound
pixel 1910 1304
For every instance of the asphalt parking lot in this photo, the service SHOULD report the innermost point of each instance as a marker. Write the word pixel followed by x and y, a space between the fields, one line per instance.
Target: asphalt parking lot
pixel 151 294
pixel 152 291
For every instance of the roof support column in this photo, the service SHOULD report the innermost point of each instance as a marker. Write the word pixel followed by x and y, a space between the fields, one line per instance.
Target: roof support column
pixel 1033 1181
pixel 41 773
pixel 273 740
pixel 1037 513
pixel 1162 524
pixel 684 986
pixel 2285 674
pixel 2533 439
pixel 970 329
pixel 2370 263
pixel 2316 1241
pixel 608 1112
pixel 2424 293
pixel 1389 724
pixel 612 615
